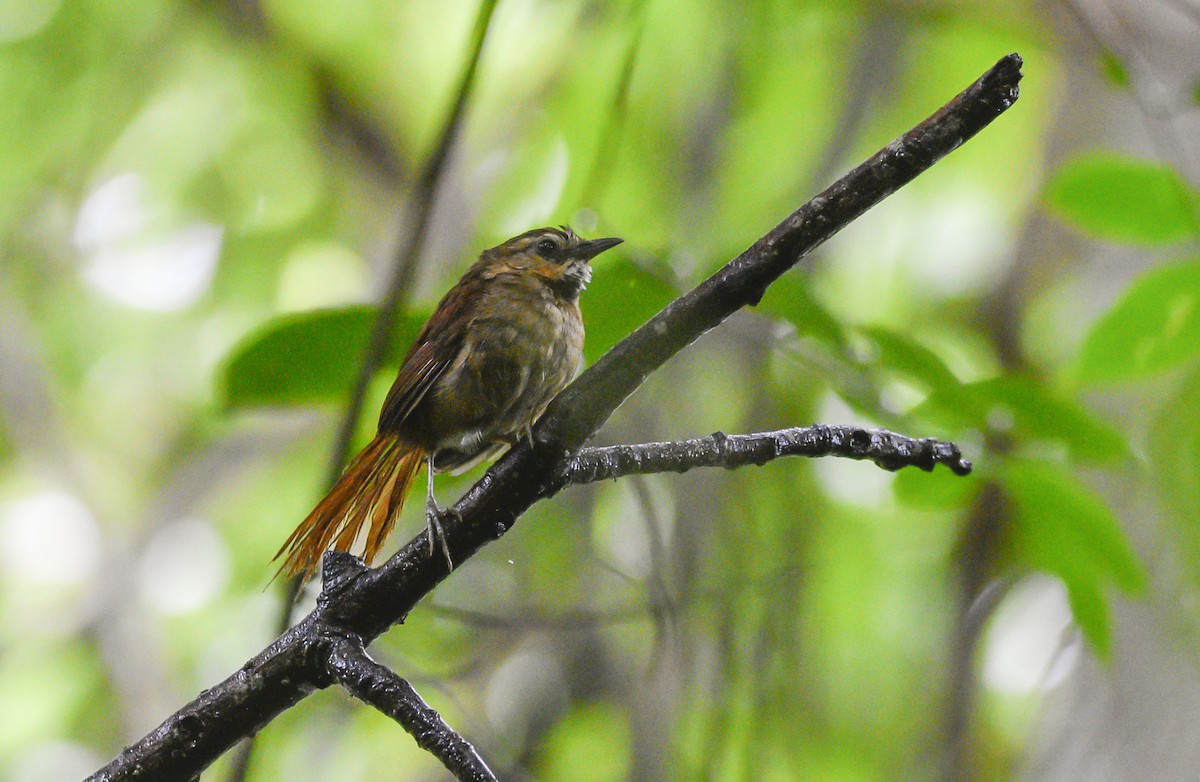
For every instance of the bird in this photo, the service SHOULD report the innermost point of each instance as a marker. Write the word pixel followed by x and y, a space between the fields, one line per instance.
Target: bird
pixel 502 342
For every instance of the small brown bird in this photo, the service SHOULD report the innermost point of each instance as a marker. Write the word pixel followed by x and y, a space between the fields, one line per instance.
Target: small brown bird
pixel 500 345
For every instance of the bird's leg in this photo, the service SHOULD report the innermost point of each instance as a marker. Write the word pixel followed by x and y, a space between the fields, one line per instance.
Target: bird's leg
pixel 433 517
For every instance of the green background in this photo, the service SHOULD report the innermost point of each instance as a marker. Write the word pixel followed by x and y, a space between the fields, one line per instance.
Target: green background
pixel 199 203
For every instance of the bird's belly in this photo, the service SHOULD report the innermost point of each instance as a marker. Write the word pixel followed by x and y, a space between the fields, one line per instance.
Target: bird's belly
pixel 509 370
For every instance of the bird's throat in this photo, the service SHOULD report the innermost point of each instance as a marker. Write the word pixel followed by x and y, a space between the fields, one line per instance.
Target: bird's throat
pixel 573 280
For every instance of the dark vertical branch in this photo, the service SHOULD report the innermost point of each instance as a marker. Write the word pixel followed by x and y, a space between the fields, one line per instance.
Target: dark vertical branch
pixel 981 540
pixel 406 255
pixel 402 272
pixel 978 595
pixel 873 71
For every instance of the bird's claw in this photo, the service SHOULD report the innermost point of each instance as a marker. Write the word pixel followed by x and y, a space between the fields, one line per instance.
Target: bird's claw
pixel 433 520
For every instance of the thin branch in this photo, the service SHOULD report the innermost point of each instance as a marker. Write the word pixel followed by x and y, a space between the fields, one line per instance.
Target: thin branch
pixel 979 593
pixel 378 686
pixel 340 113
pixel 406 256
pixel 367 602
pixel 350 123
pixel 872 73
pixel 402 273
pixel 889 450
pixel 403 267
pixel 574 620
pixel 608 148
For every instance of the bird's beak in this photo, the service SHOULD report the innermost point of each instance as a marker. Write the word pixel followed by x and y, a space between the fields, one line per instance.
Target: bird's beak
pixel 586 251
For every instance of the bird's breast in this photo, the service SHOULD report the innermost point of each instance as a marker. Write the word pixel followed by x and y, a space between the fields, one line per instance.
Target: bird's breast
pixel 521 347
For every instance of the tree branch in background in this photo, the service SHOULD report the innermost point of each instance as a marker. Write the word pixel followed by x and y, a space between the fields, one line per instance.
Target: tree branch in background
pixel 405 264
pixel 889 450
pixel 610 136
pixel 403 270
pixel 360 602
pixel 376 147
pixel 979 593
pixel 349 664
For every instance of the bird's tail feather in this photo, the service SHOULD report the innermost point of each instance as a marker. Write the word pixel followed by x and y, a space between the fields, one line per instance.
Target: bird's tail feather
pixel 372 489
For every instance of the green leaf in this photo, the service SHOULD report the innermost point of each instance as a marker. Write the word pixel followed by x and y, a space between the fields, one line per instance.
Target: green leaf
pixel 948 405
pixel 304 358
pixel 1113 69
pixel 1064 529
pixel 898 353
pixel 1029 410
pixel 621 297
pixel 1154 327
pixel 1038 413
pixel 1091 614
pixel 789 298
pixel 1175 436
pixel 1124 199
pixel 937 490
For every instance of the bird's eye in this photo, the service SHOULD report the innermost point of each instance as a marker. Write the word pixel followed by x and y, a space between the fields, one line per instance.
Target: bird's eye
pixel 547 247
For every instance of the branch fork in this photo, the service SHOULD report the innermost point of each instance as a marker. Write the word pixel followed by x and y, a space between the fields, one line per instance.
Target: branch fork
pixel 357 603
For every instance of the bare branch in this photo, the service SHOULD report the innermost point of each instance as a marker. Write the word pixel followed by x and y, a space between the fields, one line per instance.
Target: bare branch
pixel 375 684
pixel 366 602
pixel 889 450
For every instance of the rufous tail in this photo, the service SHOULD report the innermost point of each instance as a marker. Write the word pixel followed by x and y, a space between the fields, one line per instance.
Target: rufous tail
pixel 372 489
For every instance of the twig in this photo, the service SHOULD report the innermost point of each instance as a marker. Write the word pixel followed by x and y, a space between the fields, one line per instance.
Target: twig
pixel 366 602
pixel 403 269
pixel 370 682
pixel 889 450
pixel 406 256
pixel 979 593
pixel 610 137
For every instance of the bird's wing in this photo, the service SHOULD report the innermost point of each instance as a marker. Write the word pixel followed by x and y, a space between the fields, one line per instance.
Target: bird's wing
pixel 436 349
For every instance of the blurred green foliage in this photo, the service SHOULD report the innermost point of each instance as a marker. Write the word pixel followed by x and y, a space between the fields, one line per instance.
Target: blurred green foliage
pixel 306 358
pixel 1155 327
pixel 1063 529
pixel 1124 199
pixel 197 202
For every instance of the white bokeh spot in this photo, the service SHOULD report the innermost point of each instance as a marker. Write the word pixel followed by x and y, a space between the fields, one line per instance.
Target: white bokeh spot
pixel 184 566
pixel 130 256
pixel 1030 646
pixel 50 539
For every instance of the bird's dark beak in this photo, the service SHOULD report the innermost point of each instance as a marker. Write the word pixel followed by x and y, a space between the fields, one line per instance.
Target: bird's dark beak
pixel 586 251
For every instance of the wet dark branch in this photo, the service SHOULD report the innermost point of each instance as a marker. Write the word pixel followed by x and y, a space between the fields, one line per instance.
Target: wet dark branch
pixel 363 602
pixel 588 402
pixel 889 450
pixel 350 665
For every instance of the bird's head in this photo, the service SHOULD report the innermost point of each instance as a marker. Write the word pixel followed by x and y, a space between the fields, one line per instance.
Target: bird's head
pixel 557 255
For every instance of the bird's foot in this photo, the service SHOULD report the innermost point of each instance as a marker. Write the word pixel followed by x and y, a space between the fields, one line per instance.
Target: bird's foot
pixel 433 519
